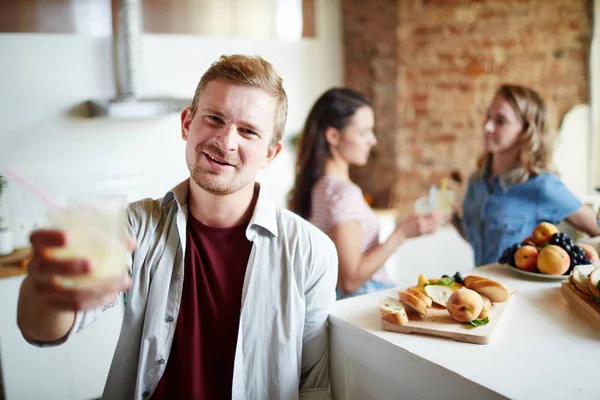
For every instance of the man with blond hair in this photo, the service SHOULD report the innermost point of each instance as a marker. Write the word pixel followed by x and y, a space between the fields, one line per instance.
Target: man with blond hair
pixel 227 294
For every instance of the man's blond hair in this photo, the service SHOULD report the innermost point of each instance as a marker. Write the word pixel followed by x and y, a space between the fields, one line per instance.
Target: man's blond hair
pixel 251 71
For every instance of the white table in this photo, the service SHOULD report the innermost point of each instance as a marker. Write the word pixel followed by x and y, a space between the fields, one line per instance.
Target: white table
pixel 543 349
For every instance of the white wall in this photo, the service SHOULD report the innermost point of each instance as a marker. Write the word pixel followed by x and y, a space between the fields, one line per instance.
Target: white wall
pixel 42 77
pixel 571 154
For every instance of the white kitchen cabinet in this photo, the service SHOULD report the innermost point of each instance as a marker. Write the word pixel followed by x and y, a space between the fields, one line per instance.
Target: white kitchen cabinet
pixel 75 370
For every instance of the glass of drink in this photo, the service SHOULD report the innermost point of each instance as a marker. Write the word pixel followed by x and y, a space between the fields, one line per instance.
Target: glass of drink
pixel 442 200
pixel 445 201
pixel 96 230
pixel 424 206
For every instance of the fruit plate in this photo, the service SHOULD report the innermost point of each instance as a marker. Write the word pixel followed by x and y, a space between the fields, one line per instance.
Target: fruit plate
pixel 537 274
pixel 439 323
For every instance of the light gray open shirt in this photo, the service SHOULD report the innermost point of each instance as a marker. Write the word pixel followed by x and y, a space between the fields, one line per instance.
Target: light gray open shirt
pixel 282 345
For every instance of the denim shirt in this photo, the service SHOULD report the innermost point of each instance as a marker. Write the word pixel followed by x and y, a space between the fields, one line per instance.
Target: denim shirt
pixel 496 214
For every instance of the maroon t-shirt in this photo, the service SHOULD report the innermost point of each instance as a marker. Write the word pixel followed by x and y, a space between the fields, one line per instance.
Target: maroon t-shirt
pixel 200 365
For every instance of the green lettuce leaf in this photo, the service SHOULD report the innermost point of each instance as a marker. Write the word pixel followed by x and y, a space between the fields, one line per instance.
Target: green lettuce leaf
pixel 478 322
pixel 447 281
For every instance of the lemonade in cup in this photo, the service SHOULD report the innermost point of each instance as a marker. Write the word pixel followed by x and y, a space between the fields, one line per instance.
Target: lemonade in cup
pixel 424 206
pixel 442 200
pixel 96 231
pixel 445 200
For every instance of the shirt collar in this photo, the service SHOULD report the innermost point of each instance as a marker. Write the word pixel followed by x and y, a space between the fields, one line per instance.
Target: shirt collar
pixel 265 212
pixel 505 180
pixel 179 193
pixel 264 215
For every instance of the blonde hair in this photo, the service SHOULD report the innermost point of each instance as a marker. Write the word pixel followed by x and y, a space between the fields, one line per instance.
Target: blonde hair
pixel 251 71
pixel 535 153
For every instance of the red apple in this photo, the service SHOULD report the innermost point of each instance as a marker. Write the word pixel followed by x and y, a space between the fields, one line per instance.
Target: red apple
pixel 526 258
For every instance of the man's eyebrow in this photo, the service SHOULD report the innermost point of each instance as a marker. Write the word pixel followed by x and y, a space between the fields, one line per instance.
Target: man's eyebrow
pixel 214 112
pixel 220 114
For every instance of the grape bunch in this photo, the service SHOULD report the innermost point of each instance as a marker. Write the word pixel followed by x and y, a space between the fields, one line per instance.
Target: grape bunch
pixel 576 253
pixel 508 255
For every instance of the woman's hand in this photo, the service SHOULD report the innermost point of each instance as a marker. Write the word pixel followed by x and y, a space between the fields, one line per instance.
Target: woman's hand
pixel 419 224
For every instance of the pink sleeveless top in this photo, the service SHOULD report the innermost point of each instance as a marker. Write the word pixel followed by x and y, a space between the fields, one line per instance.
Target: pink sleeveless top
pixel 335 201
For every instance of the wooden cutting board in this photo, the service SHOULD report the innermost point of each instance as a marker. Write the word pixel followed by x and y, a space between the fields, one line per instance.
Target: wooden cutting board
pixel 439 323
pixel 589 309
pixel 12 264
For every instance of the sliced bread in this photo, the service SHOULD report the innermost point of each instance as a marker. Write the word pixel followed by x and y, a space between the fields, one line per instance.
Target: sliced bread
pixel 468 280
pixel 413 303
pixel 581 277
pixel 594 283
pixel 584 295
pixel 495 291
pixel 393 311
pixel 421 296
pixel 487 306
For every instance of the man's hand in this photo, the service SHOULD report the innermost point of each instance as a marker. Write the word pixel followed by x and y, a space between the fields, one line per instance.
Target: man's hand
pixel 44 271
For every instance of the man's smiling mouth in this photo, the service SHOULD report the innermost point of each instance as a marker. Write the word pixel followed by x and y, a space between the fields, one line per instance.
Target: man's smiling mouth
pixel 217 160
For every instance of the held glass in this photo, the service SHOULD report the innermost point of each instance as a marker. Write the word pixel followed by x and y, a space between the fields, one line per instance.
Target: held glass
pixel 443 200
pixel 97 231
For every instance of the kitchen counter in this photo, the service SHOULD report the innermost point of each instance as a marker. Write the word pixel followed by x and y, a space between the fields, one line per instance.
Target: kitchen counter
pixel 543 348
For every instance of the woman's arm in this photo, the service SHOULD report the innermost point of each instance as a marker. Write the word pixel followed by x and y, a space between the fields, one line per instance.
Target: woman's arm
pixel 585 220
pixel 355 268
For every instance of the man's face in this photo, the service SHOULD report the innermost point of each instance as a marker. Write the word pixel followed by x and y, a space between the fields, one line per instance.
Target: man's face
pixel 228 139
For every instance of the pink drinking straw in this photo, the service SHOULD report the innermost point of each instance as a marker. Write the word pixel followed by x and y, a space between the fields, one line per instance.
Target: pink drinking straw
pixel 36 190
pixel 46 197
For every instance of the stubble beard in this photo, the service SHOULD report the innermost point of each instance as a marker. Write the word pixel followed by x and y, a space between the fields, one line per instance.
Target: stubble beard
pixel 212 180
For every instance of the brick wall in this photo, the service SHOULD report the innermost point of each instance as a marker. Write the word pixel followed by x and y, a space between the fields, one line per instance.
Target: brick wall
pixel 431 67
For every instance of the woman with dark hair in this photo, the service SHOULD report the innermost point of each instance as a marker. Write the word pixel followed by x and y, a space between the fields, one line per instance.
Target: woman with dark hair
pixel 515 186
pixel 338 133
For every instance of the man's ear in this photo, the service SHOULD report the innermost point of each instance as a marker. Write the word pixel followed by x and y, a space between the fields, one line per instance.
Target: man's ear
pixel 332 136
pixel 272 152
pixel 186 121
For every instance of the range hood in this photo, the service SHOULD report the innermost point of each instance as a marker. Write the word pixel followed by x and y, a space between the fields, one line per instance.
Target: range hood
pixel 127 104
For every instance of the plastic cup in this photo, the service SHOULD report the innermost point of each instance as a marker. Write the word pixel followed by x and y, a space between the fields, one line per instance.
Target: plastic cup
pixel 97 231
pixel 443 200
pixel 424 206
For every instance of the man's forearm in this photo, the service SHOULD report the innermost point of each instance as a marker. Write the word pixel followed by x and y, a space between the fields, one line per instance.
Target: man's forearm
pixel 37 321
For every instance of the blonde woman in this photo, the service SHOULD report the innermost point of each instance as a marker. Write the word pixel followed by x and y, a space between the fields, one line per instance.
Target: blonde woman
pixel 515 187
